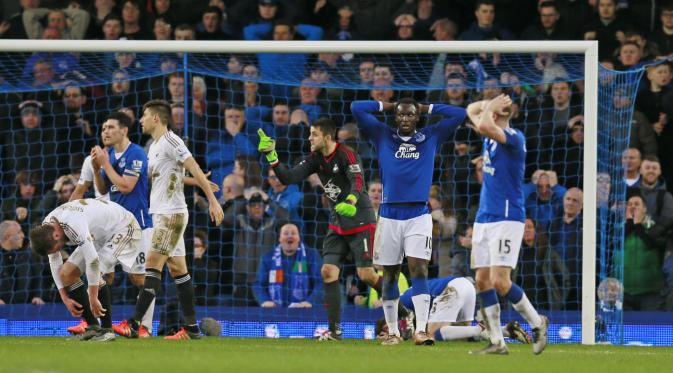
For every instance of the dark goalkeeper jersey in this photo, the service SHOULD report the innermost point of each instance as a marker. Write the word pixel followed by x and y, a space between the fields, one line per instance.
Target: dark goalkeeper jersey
pixel 341 174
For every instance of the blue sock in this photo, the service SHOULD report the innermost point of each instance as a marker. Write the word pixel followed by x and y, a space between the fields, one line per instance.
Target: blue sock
pixel 419 285
pixel 514 294
pixel 390 291
pixel 488 298
pixel 438 335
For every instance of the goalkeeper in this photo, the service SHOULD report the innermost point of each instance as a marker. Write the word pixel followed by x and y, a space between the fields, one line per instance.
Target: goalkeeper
pixel 352 220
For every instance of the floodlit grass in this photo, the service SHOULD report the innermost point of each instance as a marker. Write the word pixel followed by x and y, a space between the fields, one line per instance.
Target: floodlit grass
pixel 54 354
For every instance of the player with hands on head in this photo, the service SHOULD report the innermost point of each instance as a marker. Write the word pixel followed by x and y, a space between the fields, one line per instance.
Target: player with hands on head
pixel 499 225
pixel 352 219
pixel 406 159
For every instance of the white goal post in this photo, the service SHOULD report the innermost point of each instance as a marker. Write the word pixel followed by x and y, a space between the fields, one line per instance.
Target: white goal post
pixel 588 48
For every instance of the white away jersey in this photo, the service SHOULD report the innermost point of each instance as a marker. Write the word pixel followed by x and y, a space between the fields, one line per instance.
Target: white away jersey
pixel 166 158
pixel 87 175
pixel 95 218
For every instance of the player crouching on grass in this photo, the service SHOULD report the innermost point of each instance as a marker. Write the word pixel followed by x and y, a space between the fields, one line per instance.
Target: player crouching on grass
pixel 104 233
pixel 452 311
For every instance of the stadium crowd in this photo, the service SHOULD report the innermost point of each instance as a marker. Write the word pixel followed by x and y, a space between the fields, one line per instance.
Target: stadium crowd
pixel 54 103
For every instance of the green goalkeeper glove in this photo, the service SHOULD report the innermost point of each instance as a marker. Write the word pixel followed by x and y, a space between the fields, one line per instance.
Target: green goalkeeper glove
pixel 347 208
pixel 267 146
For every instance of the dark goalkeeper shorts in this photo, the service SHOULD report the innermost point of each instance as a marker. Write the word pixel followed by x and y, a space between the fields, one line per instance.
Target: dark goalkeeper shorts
pixel 336 247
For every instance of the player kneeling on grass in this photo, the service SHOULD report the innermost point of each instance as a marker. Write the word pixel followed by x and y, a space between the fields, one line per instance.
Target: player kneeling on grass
pixel 451 312
pixel 105 233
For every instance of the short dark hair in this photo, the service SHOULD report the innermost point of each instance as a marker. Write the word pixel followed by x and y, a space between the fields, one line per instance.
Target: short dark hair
pixel 549 4
pixel 406 101
pixel 112 17
pixel 161 108
pixel 122 119
pixel 42 239
pixel 326 126
pixel 651 158
pixel 479 3
pixel 213 9
pixel 186 27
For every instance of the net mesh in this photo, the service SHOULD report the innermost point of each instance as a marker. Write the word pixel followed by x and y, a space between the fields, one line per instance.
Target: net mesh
pixel 219 102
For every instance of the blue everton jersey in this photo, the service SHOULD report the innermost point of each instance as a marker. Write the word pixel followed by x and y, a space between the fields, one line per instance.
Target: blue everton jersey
pixel 436 287
pixel 133 162
pixel 406 164
pixel 502 190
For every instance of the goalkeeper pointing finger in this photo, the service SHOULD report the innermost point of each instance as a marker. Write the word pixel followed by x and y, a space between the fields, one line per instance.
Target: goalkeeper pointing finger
pixel 352 220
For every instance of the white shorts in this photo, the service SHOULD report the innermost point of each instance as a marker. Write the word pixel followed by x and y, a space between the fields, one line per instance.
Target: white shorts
pixel 138 266
pixel 168 234
pixel 496 244
pixel 122 248
pixel 455 304
pixel 396 238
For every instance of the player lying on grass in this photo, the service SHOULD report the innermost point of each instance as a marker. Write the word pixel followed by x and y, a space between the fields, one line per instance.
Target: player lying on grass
pixel 105 233
pixel 452 311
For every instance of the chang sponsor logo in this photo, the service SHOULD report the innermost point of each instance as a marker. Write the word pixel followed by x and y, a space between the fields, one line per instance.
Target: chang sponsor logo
pixel 407 151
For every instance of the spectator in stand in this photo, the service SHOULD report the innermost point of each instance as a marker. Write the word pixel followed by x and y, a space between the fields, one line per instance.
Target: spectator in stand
pixel 177 123
pixel 404 24
pixel 643 134
pixel 375 193
pixel 629 56
pixel 134 26
pixel 455 92
pixel 287 197
pixel 663 36
pixel 211 20
pixel 568 159
pixel 565 239
pixel 529 274
pixel 543 197
pixel 442 30
pixel 99 12
pixel 75 123
pixel 549 26
pixel 59 63
pixel 111 27
pixel 309 91
pixel 72 22
pixel 631 160
pixel 255 235
pixel 282 65
pixel 461 253
pixel 185 31
pixel 344 29
pixel 658 200
pixel 13 28
pixel 165 9
pixel 205 272
pixel 58 195
pixel 162 30
pixel 381 91
pixel 648 50
pixel 372 19
pixel 24 200
pixel 485 27
pixel 608 28
pixel 650 99
pixel 223 146
pixel 640 259
pixel 18 269
pixel 426 15
pixel 384 72
pixel 289 275
pixel 35 128
pixel 176 88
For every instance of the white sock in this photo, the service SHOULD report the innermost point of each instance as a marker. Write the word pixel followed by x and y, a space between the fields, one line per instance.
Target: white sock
pixel 148 317
pixel 492 319
pixel 421 309
pixel 390 312
pixel 450 333
pixel 528 312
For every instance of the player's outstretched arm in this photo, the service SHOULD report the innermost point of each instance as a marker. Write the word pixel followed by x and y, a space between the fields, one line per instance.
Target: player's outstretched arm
pixel 362 112
pixel 80 191
pixel 216 213
pixel 188 180
pixel 452 117
pixel 267 146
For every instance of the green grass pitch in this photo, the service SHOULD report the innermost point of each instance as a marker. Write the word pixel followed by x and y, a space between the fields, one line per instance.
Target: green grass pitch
pixel 54 354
